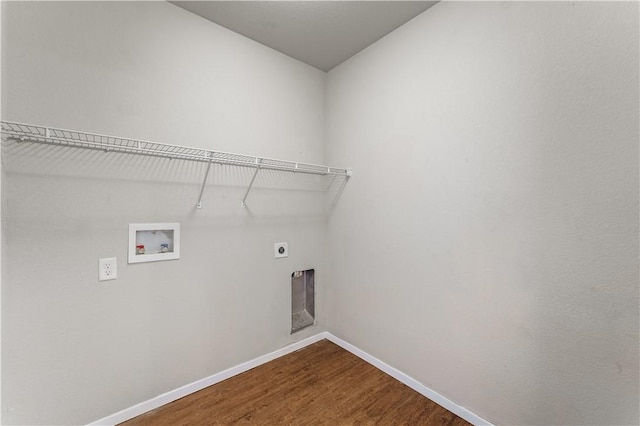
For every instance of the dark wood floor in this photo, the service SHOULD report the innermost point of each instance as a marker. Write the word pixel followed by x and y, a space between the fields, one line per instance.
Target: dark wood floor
pixel 321 384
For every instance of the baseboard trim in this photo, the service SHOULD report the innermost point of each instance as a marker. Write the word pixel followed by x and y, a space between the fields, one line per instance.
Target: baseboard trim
pixel 411 382
pixel 165 398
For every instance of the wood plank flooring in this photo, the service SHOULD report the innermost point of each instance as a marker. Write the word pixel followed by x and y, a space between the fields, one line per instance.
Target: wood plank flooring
pixel 321 384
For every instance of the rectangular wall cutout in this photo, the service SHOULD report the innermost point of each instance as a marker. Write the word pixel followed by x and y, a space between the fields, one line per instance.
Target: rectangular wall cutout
pixel 150 242
pixel 303 309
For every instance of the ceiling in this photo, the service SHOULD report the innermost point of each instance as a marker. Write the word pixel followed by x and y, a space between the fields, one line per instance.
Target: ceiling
pixel 322 34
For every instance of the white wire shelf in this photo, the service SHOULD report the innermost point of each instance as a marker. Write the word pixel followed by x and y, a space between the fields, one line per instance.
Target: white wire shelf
pixel 32 133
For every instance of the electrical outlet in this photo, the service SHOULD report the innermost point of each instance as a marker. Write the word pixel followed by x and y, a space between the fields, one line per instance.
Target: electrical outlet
pixel 107 269
pixel 281 250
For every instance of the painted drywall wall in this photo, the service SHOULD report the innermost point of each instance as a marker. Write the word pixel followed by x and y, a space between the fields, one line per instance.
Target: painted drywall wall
pixel 1 234
pixel 75 350
pixel 489 244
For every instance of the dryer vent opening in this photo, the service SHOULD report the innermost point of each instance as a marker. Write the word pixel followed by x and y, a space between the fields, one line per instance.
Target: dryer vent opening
pixel 303 310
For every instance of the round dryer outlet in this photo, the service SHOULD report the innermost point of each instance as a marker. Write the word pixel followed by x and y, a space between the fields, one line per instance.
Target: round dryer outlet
pixel 281 250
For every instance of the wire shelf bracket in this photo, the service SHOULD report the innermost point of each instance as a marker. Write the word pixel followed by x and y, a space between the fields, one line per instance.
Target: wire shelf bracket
pixel 72 138
pixel 204 183
pixel 243 203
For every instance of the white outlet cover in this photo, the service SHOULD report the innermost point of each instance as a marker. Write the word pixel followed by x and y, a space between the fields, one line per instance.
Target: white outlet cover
pixel 107 269
pixel 281 250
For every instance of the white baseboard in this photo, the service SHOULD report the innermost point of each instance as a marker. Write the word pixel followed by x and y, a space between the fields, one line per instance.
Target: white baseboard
pixel 165 398
pixel 411 382
pixel 183 391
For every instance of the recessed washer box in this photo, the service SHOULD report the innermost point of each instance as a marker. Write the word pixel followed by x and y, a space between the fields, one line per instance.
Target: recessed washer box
pixel 151 242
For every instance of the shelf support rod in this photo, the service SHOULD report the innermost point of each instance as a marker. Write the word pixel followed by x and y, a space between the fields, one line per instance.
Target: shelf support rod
pixel 246 194
pixel 204 182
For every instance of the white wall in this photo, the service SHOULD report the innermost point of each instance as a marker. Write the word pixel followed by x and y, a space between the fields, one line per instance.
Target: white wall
pixel 75 350
pixel 488 242
pixel 1 232
pixel 490 231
